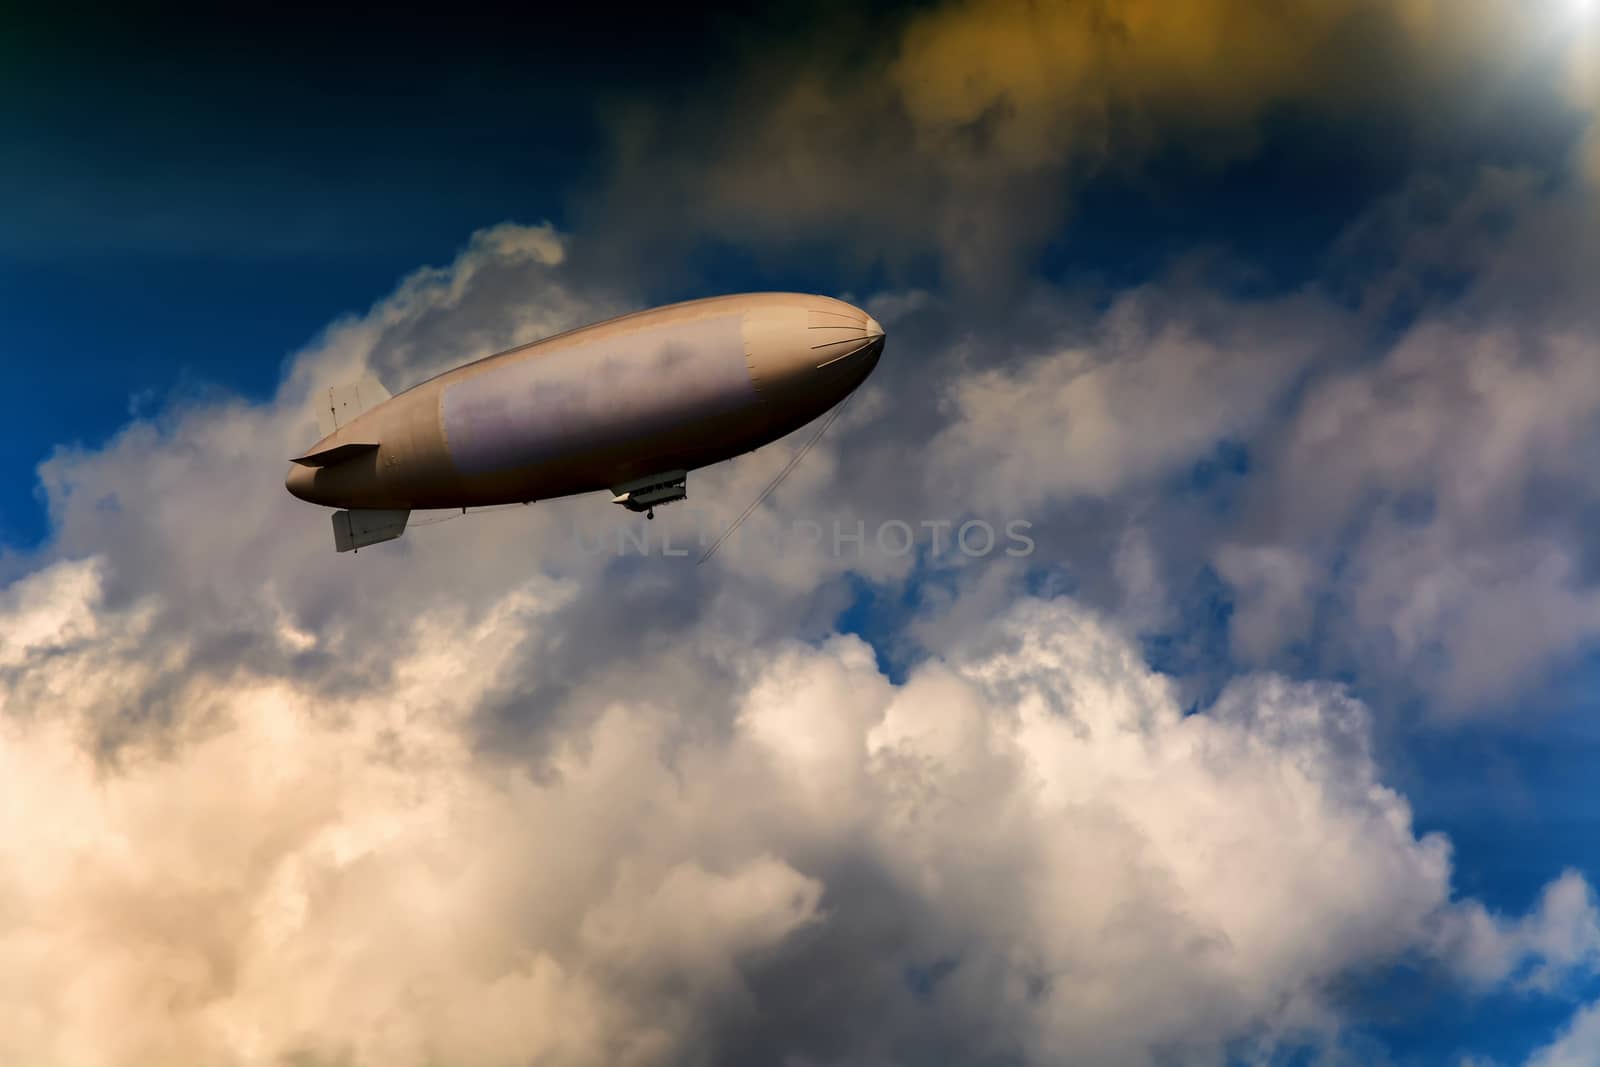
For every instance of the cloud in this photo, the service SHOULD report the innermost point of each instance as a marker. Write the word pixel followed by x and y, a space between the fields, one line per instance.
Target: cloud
pixel 1435 375
pixel 474 797
pixel 1583 60
pixel 1560 938
pixel 347 880
pixel 965 130
pixel 1273 599
pixel 1385 471
pixel 1167 375
pixel 1578 1044
pixel 1030 823
pixel 1445 346
pixel 1416 503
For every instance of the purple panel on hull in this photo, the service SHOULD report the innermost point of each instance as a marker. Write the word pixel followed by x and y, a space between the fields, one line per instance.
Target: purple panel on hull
pixel 610 392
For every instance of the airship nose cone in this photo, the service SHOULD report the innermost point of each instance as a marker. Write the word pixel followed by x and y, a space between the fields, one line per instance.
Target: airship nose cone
pixel 818 343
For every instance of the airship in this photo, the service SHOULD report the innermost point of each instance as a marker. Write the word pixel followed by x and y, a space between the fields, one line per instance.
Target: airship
pixel 629 406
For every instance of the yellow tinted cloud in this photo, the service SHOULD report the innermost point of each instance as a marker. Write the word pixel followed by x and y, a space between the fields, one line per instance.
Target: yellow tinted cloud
pixel 1585 88
pixel 1062 78
pixel 970 128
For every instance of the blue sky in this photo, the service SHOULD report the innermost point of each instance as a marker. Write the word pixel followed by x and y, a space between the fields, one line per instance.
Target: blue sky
pixel 209 213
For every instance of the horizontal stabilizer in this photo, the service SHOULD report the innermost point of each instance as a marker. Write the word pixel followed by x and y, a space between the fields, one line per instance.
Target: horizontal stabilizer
pixel 337 454
pixel 367 526
pixel 339 404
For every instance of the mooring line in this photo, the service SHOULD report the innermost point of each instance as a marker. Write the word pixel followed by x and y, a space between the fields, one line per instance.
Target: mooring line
pixel 773 485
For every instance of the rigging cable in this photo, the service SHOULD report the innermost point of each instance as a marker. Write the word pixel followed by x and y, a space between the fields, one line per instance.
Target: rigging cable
pixel 773 485
pixel 459 514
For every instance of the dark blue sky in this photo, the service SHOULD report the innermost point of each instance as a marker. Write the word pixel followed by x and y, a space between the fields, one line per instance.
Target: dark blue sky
pixel 191 197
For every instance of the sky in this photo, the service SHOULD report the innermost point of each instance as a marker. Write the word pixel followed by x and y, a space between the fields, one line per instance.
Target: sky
pixel 1263 336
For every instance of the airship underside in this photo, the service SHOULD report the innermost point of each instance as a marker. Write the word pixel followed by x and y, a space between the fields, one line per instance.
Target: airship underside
pixel 630 405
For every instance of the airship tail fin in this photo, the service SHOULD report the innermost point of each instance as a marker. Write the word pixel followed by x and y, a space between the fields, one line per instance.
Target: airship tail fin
pixel 337 405
pixel 360 527
pixel 330 457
